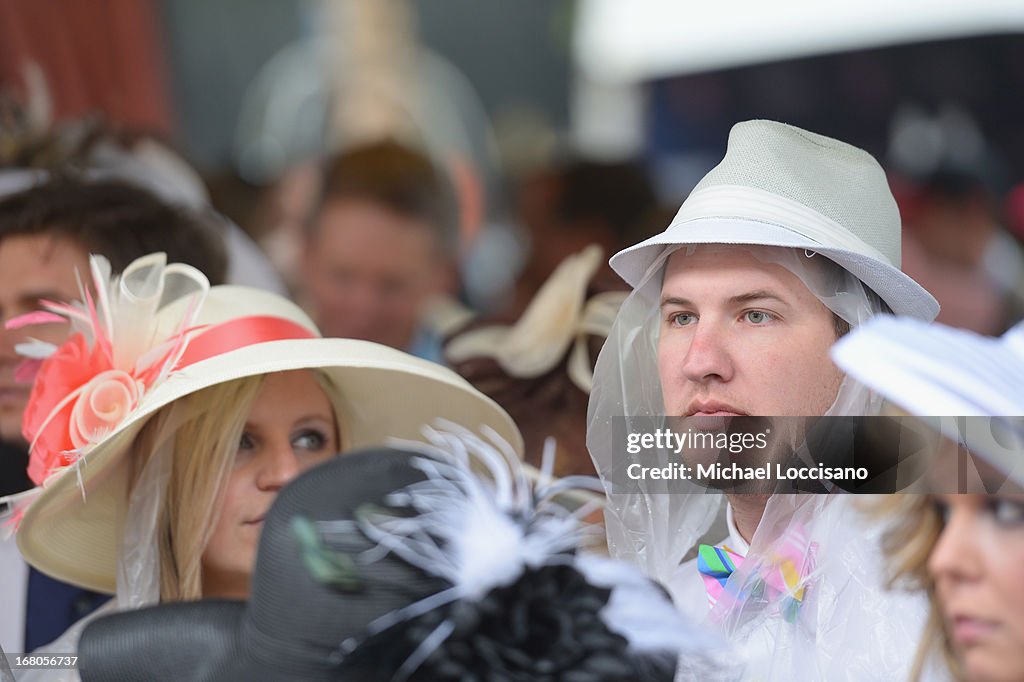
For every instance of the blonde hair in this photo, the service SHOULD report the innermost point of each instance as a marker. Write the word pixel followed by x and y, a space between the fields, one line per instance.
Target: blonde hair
pixel 200 434
pixel 909 543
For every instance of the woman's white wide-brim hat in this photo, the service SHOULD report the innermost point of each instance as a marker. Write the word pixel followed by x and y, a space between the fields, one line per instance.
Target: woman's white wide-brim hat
pixel 782 186
pixel 389 394
pixel 935 370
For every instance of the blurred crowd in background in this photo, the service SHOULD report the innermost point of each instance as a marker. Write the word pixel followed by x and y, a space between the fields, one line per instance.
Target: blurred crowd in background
pixel 409 170
pixel 539 146
pixel 317 138
pixel 449 177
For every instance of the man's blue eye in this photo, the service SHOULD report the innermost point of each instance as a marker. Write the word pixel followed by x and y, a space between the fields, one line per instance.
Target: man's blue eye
pixel 683 319
pixel 757 316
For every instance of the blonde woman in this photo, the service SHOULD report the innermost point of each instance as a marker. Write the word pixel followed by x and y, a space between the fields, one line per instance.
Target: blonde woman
pixel 164 427
pixel 963 544
pixel 242 442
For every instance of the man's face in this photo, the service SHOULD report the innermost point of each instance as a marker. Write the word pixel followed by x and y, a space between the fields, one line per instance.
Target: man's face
pixel 741 336
pixel 370 271
pixel 31 268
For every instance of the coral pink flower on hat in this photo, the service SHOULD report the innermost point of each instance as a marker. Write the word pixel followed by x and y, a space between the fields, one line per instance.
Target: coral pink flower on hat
pixel 103 404
pixel 92 383
pixel 71 367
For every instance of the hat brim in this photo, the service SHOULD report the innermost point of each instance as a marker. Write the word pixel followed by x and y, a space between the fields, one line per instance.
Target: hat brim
pixel 392 395
pixel 190 640
pixel 901 293
pixel 934 370
pixel 201 641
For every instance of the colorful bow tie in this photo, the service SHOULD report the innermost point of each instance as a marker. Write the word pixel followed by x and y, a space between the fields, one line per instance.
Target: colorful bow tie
pixel 779 572
pixel 716 564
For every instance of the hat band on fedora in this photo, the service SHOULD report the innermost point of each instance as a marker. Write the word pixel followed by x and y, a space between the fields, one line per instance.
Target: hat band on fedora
pixel 238 333
pixel 737 201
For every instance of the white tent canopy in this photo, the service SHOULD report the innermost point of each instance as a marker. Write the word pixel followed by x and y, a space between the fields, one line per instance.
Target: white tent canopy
pixel 634 40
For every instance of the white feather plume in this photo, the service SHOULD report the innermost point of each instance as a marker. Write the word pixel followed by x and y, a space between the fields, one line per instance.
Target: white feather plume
pixel 481 521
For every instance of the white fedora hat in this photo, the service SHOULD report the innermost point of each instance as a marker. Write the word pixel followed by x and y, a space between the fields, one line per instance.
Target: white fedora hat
pixel 779 185
pixel 72 530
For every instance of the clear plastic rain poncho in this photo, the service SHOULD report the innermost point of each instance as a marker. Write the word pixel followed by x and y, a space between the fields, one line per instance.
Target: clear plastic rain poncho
pixel 848 627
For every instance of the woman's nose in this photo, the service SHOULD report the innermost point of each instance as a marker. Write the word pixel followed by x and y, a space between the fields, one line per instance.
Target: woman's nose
pixel 278 465
pixel 956 553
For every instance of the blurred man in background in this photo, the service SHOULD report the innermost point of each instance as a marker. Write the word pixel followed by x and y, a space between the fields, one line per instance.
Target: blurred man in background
pixel 48 231
pixel 579 202
pixel 955 245
pixel 381 247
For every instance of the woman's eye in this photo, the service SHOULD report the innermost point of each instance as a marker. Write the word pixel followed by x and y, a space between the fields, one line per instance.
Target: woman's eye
pixel 757 316
pixel 310 440
pixel 682 319
pixel 246 442
pixel 941 510
pixel 1007 512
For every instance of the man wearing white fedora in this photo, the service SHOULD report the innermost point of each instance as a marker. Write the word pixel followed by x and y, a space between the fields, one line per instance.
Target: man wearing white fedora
pixel 789 242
